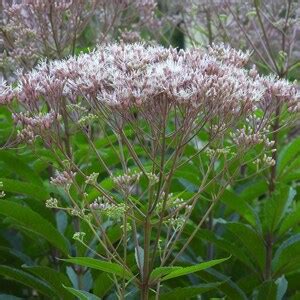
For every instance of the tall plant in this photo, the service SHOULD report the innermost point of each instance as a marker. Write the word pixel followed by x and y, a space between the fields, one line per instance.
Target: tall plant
pixel 160 112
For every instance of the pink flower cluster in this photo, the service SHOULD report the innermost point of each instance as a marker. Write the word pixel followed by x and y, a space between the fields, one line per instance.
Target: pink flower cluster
pixel 6 93
pixel 116 78
pixel 35 125
pixel 124 76
pixel 63 178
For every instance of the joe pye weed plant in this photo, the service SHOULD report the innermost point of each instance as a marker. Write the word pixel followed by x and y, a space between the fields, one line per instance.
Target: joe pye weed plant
pixel 161 112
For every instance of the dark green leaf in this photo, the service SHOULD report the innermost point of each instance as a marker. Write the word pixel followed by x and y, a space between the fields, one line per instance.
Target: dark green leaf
pixel 290 220
pixel 24 188
pixel 103 283
pixel 276 207
pixel 19 167
pixel 250 240
pixel 239 205
pixel 287 256
pixel 228 286
pixel 188 292
pixel 26 279
pixel 287 154
pixel 33 222
pixel 53 278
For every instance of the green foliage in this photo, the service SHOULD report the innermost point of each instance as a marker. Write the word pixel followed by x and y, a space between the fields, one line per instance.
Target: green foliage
pixel 169 273
pixel 256 227
pixel 29 220
pixel 101 265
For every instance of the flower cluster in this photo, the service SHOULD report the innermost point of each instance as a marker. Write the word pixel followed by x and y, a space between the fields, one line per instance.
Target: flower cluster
pixel 114 79
pixel 172 203
pixel 34 29
pixel 111 210
pixel 92 178
pixel 34 125
pixel 37 27
pixel 64 178
pixel 79 236
pixel 6 93
pixel 52 203
pixel 125 182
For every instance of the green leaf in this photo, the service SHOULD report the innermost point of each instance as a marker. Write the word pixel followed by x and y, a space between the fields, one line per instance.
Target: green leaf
pixel 287 256
pixel 33 222
pixel 81 295
pixel 267 291
pixel 254 190
pixel 250 240
pixel 189 270
pixel 290 220
pixel 273 289
pixel 224 244
pixel 239 205
pixel 162 271
pixel 288 154
pixel 53 278
pixel 26 279
pixel 277 206
pixel 103 283
pixel 19 167
pixel 24 188
pixel 104 266
pixel 228 286
pixel 188 292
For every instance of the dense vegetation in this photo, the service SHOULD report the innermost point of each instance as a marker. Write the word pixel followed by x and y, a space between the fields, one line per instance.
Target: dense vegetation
pixel 149 149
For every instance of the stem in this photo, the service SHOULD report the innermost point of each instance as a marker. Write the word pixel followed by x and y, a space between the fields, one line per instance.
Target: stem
pixel 146 267
pixel 272 182
pixel 210 227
